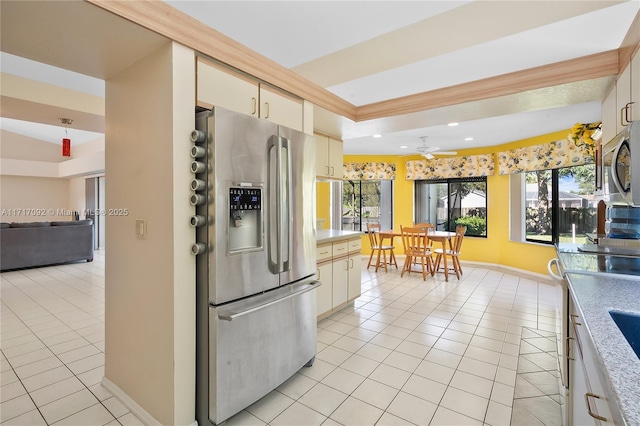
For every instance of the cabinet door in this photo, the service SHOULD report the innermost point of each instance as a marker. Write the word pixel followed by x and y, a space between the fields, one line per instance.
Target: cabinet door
pixel 623 97
pixel 324 293
pixel 340 281
pixel 609 117
pixel 322 156
pixel 635 87
pixel 335 159
pixel 579 388
pixel 216 86
pixel 279 108
pixel 355 273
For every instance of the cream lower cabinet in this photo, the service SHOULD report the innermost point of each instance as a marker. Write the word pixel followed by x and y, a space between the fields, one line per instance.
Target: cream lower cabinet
pixel 590 401
pixel 339 270
pixel 221 86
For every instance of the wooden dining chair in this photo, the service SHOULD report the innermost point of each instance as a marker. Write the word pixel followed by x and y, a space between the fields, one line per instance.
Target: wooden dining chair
pixel 453 252
pixel 378 249
pixel 428 227
pixel 416 249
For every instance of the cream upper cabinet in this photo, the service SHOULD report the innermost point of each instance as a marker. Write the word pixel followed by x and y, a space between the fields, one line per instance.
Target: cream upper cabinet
pixel 609 116
pixel 635 87
pixel 328 157
pixel 279 108
pixel 623 98
pixel 221 86
pixel 622 105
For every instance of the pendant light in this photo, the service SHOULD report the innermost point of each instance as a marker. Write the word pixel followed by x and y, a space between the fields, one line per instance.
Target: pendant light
pixel 66 142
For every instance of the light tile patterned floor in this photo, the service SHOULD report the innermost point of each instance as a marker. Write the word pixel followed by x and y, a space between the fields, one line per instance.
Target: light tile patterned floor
pixel 52 342
pixel 407 352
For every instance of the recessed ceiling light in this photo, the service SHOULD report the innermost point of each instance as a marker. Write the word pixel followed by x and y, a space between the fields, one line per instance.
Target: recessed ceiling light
pixel 403 147
pixel 452 124
pixel 468 139
pixel 377 135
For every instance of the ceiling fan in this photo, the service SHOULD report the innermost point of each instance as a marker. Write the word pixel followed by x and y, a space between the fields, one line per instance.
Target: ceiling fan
pixel 429 152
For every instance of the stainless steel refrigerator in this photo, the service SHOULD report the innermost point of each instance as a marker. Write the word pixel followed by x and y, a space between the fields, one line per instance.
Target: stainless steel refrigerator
pixel 254 191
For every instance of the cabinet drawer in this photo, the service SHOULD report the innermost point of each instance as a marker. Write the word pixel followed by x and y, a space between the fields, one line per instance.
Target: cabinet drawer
pixel 340 249
pixel 355 245
pixel 323 252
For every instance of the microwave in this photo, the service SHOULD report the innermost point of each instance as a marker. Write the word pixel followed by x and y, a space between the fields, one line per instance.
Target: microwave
pixel 619 167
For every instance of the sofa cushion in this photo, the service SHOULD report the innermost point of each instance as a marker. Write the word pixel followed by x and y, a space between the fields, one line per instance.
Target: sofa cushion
pixel 30 224
pixel 72 222
pixel 5 225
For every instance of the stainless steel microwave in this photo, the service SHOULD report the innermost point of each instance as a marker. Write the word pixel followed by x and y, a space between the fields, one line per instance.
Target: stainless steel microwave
pixel 620 167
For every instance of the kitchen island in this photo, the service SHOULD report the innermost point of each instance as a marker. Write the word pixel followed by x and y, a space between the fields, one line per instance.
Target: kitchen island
pixel 338 258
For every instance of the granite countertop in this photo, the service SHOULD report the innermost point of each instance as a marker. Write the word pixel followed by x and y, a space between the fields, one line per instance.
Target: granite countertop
pixel 331 235
pixel 595 296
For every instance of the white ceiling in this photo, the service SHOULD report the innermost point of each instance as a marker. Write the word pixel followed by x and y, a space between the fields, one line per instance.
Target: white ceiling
pixel 368 51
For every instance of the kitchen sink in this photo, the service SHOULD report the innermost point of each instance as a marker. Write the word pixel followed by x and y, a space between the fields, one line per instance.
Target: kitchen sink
pixel 629 325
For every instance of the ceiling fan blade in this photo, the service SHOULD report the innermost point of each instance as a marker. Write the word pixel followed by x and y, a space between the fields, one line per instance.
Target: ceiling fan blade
pixel 445 153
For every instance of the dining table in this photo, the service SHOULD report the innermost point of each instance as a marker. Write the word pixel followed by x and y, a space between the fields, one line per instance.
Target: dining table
pixel 443 237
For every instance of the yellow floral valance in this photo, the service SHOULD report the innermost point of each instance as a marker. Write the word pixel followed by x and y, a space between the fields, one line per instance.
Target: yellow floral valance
pixel 454 167
pixel 554 155
pixel 369 171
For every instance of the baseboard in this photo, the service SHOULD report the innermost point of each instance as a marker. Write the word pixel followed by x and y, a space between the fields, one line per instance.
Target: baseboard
pixel 132 405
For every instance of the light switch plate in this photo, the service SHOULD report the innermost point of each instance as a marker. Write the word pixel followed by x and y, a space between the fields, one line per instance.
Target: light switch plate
pixel 141 229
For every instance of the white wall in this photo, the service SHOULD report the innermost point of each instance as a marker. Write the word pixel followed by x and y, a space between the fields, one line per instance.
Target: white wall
pixel 150 284
pixel 34 199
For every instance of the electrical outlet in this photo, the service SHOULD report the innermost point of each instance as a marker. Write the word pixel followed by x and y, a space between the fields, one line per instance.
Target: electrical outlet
pixel 141 229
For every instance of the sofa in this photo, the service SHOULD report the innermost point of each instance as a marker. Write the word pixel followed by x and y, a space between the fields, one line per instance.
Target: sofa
pixel 31 244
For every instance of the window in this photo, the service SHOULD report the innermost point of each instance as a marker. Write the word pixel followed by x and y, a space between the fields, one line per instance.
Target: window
pixel 559 205
pixel 366 201
pixel 451 202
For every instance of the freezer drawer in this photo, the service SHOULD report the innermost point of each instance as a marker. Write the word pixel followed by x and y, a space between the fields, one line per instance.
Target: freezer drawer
pixel 258 343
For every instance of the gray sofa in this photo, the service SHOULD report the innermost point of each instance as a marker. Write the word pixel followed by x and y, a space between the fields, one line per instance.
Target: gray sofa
pixel 30 244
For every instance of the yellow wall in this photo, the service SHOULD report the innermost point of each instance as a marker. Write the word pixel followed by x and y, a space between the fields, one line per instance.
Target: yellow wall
pixel 496 248
pixel 323 203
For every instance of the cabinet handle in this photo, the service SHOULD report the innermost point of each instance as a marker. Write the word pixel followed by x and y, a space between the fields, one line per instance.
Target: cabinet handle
pixel 346 265
pixel 591 413
pixel 266 106
pixel 324 252
pixel 351 262
pixel 568 347
pixel 318 272
pixel 624 120
pixel 627 115
pixel 333 172
pixel 573 319
pixel 254 106
pixel 327 170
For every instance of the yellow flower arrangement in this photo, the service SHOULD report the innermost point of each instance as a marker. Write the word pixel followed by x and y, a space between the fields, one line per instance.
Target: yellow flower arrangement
pixel 583 134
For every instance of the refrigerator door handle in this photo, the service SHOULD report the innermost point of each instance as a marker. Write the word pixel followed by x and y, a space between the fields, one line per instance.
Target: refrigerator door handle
pixel 286 235
pixel 275 204
pixel 230 316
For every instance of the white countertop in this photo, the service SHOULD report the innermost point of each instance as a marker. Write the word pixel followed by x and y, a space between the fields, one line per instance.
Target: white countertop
pixel 331 235
pixel 595 296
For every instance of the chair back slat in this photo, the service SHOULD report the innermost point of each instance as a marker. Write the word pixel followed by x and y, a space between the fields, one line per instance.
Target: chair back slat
pixel 460 231
pixel 414 240
pixel 373 229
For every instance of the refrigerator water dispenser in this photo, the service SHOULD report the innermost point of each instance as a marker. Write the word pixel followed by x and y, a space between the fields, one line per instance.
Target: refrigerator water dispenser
pixel 245 218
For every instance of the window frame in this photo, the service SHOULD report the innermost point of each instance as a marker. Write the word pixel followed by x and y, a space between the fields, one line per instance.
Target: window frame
pixel 554 205
pixel 418 202
pixel 359 203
